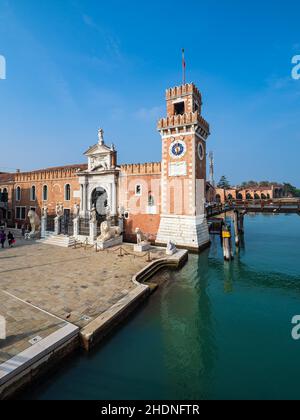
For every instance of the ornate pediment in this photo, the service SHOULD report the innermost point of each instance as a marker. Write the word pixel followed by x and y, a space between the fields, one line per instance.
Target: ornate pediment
pixel 100 155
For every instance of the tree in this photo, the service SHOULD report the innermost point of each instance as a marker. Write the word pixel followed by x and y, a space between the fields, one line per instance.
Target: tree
pixel 290 190
pixel 252 184
pixel 224 183
pixel 264 184
pixel 249 184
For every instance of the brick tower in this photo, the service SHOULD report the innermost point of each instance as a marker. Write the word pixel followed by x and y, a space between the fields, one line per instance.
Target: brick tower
pixel 184 133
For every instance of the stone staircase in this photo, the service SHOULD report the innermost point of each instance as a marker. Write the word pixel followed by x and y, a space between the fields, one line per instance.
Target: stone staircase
pixel 63 241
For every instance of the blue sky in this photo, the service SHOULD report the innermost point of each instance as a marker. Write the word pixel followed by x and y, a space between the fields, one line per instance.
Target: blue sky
pixel 74 66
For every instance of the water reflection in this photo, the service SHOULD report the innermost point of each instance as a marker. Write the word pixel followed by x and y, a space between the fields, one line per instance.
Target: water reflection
pixel 189 333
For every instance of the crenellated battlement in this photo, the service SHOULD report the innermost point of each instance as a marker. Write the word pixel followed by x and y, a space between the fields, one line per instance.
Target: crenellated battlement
pixel 49 174
pixel 141 168
pixel 191 118
pixel 178 91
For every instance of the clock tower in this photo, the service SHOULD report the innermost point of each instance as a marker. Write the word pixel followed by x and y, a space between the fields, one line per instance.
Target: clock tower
pixel 184 133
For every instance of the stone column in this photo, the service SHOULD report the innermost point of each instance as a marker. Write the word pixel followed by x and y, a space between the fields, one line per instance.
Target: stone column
pixel 43 226
pixel 81 197
pixel 57 225
pixel 93 232
pixel 84 200
pixel 114 199
pixel 76 227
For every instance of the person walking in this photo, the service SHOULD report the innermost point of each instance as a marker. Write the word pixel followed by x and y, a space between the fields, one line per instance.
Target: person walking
pixel 2 238
pixel 11 239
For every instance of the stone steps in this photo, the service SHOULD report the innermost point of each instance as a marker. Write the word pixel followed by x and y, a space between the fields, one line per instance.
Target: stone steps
pixel 58 240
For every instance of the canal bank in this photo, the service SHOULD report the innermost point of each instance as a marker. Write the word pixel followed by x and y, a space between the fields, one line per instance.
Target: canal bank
pixel 214 330
pixel 44 326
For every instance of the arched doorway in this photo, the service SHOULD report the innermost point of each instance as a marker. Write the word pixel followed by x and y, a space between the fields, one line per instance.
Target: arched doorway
pixel 100 202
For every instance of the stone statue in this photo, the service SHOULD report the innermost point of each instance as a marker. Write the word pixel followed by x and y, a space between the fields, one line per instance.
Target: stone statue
pixel 76 211
pixel 141 238
pixel 171 248
pixel 45 211
pixel 108 232
pixel 35 224
pixel 101 136
pixel 93 215
pixel 59 210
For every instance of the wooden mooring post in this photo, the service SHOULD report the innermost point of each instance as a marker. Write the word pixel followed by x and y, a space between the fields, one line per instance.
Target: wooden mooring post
pixel 241 221
pixel 236 220
pixel 227 245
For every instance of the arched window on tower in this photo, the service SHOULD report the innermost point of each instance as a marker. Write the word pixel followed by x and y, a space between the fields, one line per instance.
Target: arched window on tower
pixel 67 192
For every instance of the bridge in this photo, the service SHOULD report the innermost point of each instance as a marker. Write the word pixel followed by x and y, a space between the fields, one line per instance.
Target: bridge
pixel 277 205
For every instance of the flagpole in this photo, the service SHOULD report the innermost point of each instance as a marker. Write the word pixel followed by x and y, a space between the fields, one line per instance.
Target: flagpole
pixel 183 67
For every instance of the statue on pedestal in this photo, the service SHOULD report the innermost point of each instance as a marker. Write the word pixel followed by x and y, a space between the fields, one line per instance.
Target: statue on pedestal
pixel 109 232
pixel 171 248
pixel 59 210
pixel 76 211
pixel 35 224
pixel 143 243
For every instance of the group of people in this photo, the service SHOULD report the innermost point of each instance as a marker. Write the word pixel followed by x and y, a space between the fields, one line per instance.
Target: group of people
pixel 9 237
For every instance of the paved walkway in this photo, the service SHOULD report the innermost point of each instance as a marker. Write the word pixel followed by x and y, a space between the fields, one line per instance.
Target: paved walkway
pixel 73 285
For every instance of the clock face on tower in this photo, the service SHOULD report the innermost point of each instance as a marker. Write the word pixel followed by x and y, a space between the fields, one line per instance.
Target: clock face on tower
pixel 177 149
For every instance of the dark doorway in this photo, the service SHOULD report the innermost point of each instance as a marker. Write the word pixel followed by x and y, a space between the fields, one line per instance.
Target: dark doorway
pixel 100 202
pixel 66 225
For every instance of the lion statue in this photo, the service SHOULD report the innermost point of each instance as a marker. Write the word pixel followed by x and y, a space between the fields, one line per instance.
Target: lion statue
pixel 35 224
pixel 108 232
pixel 141 238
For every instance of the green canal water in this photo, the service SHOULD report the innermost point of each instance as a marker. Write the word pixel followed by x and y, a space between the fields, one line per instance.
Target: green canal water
pixel 214 330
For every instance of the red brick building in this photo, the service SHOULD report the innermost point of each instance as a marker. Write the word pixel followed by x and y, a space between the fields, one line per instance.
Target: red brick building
pixel 165 199
pixel 250 193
